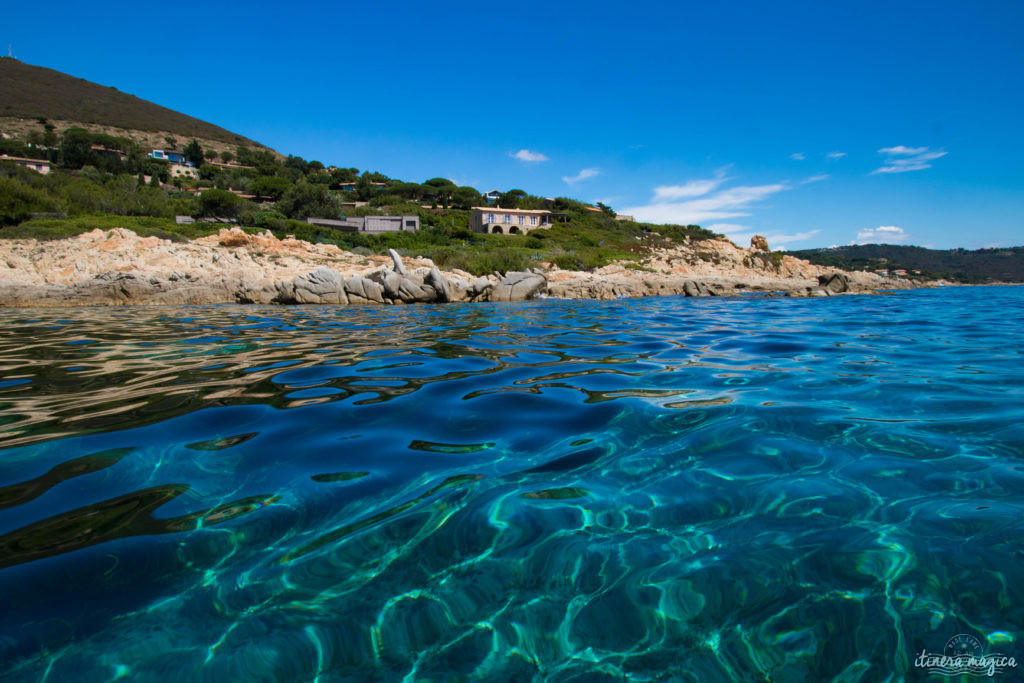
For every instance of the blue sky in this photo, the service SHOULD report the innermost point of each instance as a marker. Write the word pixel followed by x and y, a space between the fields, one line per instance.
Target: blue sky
pixel 814 123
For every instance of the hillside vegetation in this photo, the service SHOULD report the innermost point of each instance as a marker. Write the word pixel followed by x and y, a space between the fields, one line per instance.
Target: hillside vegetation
pixel 104 179
pixel 90 189
pixel 957 265
pixel 28 91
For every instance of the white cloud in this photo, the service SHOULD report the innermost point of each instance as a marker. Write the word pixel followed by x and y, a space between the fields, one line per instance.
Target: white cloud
pixel 463 182
pixel 815 178
pixel 527 155
pixel 797 156
pixel 835 155
pixel 731 202
pixel 780 239
pixel 741 234
pixel 903 150
pixel 692 188
pixel 582 175
pixel 730 228
pixel 901 159
pixel 883 234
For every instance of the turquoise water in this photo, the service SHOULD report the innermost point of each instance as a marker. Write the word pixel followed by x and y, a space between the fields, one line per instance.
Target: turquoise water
pixel 661 489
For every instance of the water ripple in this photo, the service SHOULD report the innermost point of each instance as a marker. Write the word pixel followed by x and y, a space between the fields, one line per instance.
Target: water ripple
pixel 663 489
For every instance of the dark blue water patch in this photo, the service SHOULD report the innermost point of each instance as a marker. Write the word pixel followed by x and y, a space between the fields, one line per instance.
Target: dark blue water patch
pixel 742 489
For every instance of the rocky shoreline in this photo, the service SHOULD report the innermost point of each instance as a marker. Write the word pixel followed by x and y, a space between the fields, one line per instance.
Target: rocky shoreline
pixel 117 267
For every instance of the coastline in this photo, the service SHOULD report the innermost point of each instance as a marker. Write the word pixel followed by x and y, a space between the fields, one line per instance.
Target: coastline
pixel 117 267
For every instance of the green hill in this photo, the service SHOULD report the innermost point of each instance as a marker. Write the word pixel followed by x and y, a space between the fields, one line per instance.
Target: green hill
pixel 959 265
pixel 28 91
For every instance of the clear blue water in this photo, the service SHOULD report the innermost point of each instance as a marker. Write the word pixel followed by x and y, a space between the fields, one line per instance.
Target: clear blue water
pixel 664 489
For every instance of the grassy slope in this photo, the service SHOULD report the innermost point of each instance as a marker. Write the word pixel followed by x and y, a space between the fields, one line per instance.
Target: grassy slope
pixel 32 91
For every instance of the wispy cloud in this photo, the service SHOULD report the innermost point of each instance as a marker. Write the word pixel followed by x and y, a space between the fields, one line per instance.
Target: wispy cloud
pixel 797 156
pixel 835 155
pixel 582 175
pixel 527 155
pixel 883 234
pixel 815 178
pixel 741 234
pixel 693 188
pixel 705 202
pixel 900 159
pixel 902 149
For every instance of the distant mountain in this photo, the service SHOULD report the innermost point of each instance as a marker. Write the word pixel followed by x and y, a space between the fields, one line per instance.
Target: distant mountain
pixel 959 265
pixel 28 91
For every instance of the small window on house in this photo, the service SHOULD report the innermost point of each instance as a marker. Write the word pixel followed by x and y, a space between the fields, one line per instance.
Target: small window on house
pixel 410 224
pixel 506 218
pixel 522 220
pixel 533 220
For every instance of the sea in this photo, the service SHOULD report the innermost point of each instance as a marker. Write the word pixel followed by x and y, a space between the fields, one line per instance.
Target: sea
pixel 664 489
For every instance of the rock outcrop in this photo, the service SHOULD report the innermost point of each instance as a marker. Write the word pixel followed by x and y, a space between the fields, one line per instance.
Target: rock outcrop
pixel 834 283
pixel 115 267
pixel 519 287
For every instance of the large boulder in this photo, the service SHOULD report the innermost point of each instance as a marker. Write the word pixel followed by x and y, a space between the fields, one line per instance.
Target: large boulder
pixel 458 289
pixel 519 287
pixel 759 243
pixel 480 287
pixel 440 285
pixel 834 283
pixel 399 266
pixel 234 237
pixel 389 280
pixel 697 288
pixel 362 290
pixel 411 292
pixel 322 286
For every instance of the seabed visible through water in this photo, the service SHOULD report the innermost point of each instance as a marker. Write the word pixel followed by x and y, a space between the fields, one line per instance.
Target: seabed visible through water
pixel 660 489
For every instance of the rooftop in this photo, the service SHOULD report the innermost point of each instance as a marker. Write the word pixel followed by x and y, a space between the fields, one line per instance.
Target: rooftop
pixel 494 209
pixel 37 161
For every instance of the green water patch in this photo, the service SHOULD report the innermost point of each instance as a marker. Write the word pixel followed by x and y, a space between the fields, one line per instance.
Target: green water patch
pixel 338 476
pixel 222 443
pixel 120 517
pixel 432 447
pixel 565 493
pixel 18 494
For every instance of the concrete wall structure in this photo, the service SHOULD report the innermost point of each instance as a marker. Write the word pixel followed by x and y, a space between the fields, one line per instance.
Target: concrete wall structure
pixel 507 221
pixel 370 224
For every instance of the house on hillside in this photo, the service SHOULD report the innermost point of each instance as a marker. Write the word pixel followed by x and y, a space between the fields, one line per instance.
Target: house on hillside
pixel 497 221
pixel 38 165
pixel 492 196
pixel 351 186
pixel 173 157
